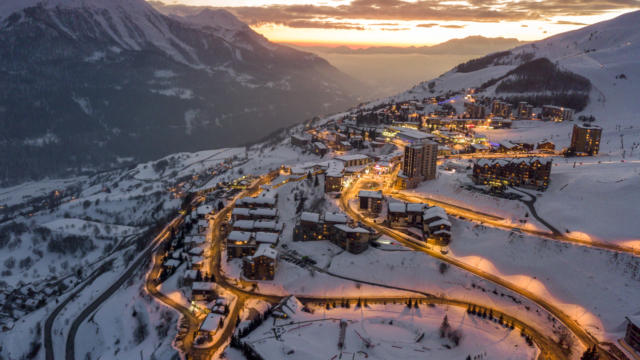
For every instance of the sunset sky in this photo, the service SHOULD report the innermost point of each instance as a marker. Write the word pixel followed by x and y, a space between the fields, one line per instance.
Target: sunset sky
pixel 414 22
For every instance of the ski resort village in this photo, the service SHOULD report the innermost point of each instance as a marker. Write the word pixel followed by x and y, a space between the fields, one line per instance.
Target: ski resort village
pixel 476 216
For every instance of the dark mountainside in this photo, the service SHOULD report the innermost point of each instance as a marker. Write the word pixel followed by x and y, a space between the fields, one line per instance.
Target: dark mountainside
pixel 84 86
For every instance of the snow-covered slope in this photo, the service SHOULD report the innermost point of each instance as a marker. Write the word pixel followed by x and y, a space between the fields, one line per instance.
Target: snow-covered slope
pixel 602 53
pixel 99 80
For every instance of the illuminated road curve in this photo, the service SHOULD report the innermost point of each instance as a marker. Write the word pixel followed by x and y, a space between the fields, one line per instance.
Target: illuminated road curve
pixel 585 337
pixel 496 222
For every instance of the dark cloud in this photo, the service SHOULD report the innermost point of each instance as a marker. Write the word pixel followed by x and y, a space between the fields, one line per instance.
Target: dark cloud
pixel 524 25
pixel 563 22
pixel 429 25
pixel 306 24
pixel 429 10
pixel 453 26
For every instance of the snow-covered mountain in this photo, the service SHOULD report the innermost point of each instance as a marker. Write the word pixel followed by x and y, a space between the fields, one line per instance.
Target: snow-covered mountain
pixel 84 83
pixel 606 54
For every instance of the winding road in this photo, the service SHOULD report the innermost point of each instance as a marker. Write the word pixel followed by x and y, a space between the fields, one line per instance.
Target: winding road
pixel 584 336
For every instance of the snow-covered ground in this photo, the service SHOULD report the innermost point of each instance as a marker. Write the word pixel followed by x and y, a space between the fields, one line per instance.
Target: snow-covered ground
pixel 392 330
pixel 588 198
pixel 595 287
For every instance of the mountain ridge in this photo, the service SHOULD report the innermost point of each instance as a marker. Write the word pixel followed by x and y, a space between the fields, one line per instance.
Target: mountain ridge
pixel 98 83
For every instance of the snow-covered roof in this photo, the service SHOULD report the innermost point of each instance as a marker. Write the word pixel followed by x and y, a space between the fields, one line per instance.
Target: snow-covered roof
pixel 370 194
pixel 352 157
pixel 416 207
pixel 240 211
pixel 441 222
pixel 203 286
pixel 197 260
pixel 435 211
pixel 195 239
pixel 310 217
pixel 267 251
pixel 288 306
pixel 211 322
pixel 320 145
pixel 588 126
pixel 397 207
pixel 264 212
pixel 304 137
pixel 196 251
pixel 261 200
pixel 335 217
pixel 244 224
pixel 442 231
pixel 172 263
pixel 241 236
pixel 266 237
pixel 204 209
pixel 267 225
pixel 349 229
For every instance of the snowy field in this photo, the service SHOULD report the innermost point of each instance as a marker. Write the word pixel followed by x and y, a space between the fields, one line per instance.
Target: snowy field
pixel 597 288
pixel 392 331
pixel 589 198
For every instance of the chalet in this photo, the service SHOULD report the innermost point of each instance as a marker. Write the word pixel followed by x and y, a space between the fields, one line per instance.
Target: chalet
pixel 632 335
pixel 415 212
pixel 343 146
pixel 171 265
pixel 331 219
pixel 308 228
pixel 370 201
pixel 202 225
pixel 397 213
pixel 353 239
pixel 210 326
pixel 201 290
pixel 240 244
pixel 333 181
pixel 319 148
pixel 300 140
pixel 546 146
pixel 197 262
pixel 437 225
pixel 354 160
pixel 261 265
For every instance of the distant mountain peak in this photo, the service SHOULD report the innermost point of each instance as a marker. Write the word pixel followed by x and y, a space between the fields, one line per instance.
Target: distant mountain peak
pixel 217 18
